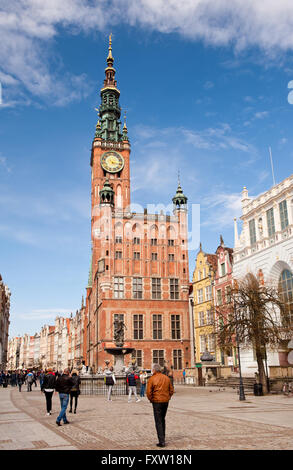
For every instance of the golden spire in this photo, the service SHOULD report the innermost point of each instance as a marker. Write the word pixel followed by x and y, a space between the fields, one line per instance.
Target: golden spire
pixel 110 58
pixel 125 127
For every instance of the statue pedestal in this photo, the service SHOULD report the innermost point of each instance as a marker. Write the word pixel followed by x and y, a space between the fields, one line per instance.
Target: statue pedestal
pixel 119 353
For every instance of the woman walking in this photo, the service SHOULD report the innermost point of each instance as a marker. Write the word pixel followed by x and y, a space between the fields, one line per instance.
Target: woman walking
pixel 110 381
pixel 75 391
pixel 48 387
pixel 143 378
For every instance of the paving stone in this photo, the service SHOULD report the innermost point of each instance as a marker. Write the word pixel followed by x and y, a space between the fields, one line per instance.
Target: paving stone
pixel 197 418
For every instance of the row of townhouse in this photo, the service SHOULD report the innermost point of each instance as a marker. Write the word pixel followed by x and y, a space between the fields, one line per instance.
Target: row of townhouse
pixel 4 322
pixel 59 345
pixel 265 249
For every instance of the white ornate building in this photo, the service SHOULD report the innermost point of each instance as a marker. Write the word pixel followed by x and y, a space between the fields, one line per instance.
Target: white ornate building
pixel 265 248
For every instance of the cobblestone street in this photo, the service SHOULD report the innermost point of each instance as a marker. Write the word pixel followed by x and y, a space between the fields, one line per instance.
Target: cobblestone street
pixel 198 418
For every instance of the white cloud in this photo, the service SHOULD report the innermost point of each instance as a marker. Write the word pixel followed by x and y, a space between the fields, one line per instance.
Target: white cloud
pixel 30 28
pixel 221 209
pixel 44 314
pixel 208 85
pixel 261 114
pixel 4 164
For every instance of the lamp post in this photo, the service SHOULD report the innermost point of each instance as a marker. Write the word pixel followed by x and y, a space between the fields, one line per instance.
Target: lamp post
pixel 241 387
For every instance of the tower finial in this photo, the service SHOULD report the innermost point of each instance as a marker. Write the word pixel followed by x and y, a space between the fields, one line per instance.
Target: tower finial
pixel 110 58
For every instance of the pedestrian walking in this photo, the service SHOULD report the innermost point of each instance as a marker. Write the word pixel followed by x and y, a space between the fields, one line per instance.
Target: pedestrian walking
pixel 131 380
pixel 75 391
pixel 64 384
pixel 110 381
pixel 41 378
pixel 48 387
pixel 159 393
pixel 29 381
pixel 19 380
pixel 184 374
pixel 143 379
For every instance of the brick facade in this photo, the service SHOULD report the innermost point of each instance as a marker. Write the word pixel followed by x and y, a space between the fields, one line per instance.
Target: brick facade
pixel 139 264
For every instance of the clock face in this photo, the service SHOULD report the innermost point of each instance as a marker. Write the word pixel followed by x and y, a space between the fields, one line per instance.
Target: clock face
pixel 112 162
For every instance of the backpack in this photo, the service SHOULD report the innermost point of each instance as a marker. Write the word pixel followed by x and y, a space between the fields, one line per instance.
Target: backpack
pixel 109 380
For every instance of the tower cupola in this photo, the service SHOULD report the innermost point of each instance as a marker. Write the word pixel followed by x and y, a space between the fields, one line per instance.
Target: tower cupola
pixel 179 200
pixel 107 194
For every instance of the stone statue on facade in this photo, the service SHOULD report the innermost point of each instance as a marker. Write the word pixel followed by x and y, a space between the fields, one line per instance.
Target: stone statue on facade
pixel 119 327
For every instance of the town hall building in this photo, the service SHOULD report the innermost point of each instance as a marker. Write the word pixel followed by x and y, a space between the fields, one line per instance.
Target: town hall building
pixel 139 268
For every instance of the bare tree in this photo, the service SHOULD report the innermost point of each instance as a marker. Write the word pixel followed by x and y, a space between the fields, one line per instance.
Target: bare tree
pixel 258 316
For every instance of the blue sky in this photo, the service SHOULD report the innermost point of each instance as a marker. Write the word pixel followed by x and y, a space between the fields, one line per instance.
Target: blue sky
pixel 205 88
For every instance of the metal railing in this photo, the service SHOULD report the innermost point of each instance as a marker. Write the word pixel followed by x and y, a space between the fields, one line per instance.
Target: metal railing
pixel 97 386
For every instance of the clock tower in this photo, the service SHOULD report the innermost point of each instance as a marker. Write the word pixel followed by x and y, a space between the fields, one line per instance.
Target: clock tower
pixel 111 147
pixel 139 267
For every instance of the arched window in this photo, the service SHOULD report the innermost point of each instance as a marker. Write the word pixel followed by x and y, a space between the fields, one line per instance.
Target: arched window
pixel 286 290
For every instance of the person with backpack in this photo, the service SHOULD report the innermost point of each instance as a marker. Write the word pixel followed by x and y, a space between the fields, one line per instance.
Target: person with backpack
pixel 48 387
pixel 29 381
pixel 75 391
pixel 131 380
pixel 110 381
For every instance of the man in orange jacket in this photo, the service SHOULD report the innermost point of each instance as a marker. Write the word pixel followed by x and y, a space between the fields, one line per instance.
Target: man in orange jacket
pixel 159 392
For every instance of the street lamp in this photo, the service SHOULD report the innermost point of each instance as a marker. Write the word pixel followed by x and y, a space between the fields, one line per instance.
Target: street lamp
pixel 241 387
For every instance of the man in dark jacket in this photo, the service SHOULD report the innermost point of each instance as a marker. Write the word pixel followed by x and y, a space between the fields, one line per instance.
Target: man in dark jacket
pixel 159 392
pixel 48 387
pixel 131 380
pixel 64 384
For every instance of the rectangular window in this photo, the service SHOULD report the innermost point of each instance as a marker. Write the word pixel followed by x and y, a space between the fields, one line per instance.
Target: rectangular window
pixel 271 222
pixel 137 355
pixel 211 342
pixel 199 276
pixel 157 326
pixel 154 241
pixel 252 232
pixel 201 318
pixel 136 255
pixel 199 296
pixel 118 254
pixel 174 289
pixel 177 359
pixel 219 297
pixel 210 317
pixel 283 214
pixel 208 290
pixel 175 327
pixel 203 344
pixel 170 242
pixel 171 257
pixel 223 269
pixel 158 357
pixel 137 326
pixel 154 256
pixel 228 294
pixel 156 288
pixel 137 288
pixel 204 273
pixel 118 287
pixel 118 239
pixel 136 241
